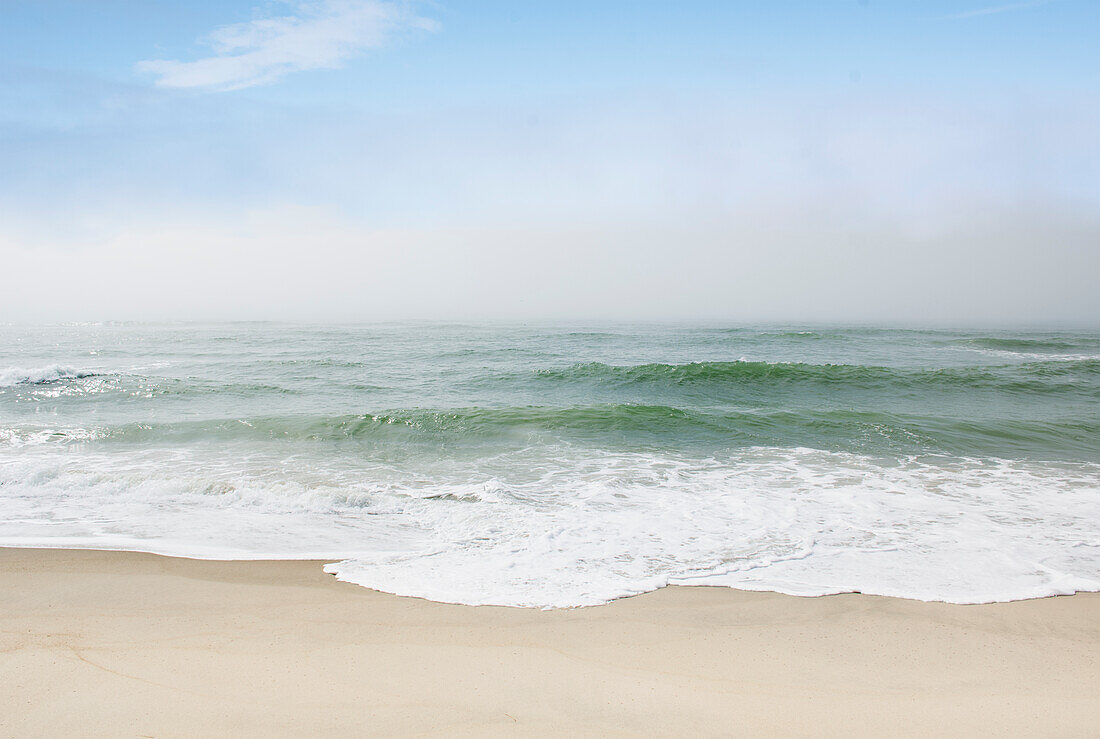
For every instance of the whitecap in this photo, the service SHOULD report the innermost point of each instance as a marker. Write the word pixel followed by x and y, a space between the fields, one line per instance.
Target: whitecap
pixel 40 375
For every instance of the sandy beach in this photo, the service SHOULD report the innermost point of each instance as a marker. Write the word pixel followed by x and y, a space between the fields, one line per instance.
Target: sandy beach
pixel 124 644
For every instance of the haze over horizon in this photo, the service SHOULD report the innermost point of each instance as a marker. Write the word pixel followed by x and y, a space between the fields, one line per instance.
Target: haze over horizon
pixel 360 160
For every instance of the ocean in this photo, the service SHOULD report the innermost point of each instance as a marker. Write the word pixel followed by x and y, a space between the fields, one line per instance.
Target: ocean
pixel 565 465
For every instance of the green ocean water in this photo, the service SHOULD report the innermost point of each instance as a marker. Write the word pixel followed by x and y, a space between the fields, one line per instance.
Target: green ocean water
pixel 559 465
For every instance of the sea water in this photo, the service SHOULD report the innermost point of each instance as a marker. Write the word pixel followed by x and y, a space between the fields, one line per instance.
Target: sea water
pixel 555 465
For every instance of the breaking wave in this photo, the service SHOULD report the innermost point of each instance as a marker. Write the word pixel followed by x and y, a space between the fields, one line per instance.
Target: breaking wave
pixel 40 375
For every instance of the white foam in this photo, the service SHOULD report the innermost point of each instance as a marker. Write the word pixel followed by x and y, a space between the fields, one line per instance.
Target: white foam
pixel 50 373
pixel 554 529
pixel 1035 356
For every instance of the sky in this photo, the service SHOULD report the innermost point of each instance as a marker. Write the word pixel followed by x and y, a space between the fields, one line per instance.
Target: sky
pixel 864 161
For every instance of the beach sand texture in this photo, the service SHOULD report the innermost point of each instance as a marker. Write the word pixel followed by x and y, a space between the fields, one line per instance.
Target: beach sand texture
pixel 124 644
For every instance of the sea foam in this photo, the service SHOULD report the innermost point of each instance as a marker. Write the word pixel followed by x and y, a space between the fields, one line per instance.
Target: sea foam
pixel 587 529
pixel 37 375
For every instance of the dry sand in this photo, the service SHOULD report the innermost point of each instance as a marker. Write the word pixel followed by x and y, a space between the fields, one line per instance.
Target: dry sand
pixel 122 644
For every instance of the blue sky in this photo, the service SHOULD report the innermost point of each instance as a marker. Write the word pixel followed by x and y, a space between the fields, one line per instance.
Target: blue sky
pixel 564 159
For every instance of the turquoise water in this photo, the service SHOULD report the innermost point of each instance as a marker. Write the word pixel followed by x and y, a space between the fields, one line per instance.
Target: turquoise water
pixel 567 465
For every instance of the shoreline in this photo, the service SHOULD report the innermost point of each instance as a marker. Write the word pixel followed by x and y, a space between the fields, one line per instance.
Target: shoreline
pixel 324 562
pixel 113 642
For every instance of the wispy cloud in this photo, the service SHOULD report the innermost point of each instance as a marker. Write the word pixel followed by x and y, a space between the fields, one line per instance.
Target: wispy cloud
pixel 317 34
pixel 994 9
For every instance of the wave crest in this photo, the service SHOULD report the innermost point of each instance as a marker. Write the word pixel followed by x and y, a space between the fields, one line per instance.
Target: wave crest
pixel 1033 376
pixel 40 375
pixel 1028 345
